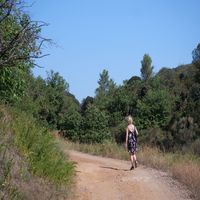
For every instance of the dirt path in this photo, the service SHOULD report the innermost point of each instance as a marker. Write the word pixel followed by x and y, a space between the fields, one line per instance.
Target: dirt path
pixel 105 178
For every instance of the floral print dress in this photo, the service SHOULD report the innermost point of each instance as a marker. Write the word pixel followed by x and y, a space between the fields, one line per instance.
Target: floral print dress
pixel 132 142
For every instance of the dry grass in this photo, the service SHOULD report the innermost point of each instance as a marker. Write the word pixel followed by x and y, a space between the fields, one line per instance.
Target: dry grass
pixel 7 189
pixel 17 153
pixel 189 174
pixel 153 157
pixel 107 149
pixel 183 167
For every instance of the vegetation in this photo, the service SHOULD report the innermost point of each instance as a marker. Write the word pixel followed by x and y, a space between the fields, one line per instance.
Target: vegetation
pixel 40 149
pixel 29 157
pixel 146 69
pixel 28 152
pixel 7 190
pixel 165 107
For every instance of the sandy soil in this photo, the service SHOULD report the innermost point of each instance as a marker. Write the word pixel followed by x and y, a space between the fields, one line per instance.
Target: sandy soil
pixel 101 178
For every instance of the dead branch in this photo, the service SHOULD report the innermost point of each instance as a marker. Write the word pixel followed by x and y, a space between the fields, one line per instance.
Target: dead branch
pixel 25 43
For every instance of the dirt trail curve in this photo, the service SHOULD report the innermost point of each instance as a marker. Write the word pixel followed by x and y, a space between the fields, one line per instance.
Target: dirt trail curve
pixel 101 178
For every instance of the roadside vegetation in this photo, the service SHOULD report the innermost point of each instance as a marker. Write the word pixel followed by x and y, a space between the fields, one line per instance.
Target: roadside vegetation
pixel 31 160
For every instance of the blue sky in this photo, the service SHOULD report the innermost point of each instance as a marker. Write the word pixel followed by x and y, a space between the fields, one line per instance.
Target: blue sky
pixel 92 35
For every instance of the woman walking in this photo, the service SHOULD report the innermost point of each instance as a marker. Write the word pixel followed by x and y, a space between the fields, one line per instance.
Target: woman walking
pixel 131 141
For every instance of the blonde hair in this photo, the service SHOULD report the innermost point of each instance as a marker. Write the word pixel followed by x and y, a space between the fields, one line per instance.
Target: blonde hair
pixel 129 119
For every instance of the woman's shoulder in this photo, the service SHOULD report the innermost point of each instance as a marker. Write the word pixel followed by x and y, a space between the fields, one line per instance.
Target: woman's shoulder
pixel 131 126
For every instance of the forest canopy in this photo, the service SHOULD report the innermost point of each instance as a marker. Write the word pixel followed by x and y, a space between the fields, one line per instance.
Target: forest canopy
pixel 164 105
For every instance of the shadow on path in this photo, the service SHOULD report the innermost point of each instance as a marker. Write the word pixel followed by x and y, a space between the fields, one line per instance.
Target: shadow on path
pixel 113 168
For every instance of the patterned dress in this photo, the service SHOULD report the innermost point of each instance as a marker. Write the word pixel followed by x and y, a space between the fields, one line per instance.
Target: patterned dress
pixel 132 142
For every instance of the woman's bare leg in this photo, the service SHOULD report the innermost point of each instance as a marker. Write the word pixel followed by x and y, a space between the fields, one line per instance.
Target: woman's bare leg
pixel 132 161
pixel 135 159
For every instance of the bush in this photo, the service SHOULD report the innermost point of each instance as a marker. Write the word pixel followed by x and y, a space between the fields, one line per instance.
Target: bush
pixel 94 136
pixel 154 109
pixel 70 124
pixel 118 132
pixel 184 131
pixel 43 154
pixel 94 126
pixel 195 147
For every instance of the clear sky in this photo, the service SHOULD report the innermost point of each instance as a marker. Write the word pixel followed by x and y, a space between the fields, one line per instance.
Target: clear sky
pixel 92 35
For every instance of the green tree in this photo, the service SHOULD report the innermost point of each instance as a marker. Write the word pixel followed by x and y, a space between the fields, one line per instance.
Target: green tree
pixel 35 100
pixel 196 55
pixel 49 100
pixel 105 90
pixel 71 123
pixel 57 88
pixel 119 102
pixel 94 126
pixel 12 84
pixel 146 69
pixel 20 39
pixel 55 81
pixel 184 131
pixel 154 110
pixel 85 103
pixel 193 104
pixel 104 83
pixel 196 61
pixel 20 44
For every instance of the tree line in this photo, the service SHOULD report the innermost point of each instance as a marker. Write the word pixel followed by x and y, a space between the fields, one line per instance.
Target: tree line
pixel 164 105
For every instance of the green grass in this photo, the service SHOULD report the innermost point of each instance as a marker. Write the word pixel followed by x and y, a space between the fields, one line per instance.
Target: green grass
pixel 30 157
pixel 107 149
pixel 40 149
pixel 7 189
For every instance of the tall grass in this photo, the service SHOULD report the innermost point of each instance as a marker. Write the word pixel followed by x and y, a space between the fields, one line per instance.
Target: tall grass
pixel 7 189
pixel 107 149
pixel 40 149
pixel 32 166
pixel 183 167
pixel 189 174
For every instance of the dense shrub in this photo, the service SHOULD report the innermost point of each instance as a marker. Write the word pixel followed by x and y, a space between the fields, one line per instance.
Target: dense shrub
pixel 43 154
pixel 195 147
pixel 94 126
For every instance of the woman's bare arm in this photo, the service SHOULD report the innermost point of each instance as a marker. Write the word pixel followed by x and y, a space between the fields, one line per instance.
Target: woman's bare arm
pixel 126 137
pixel 136 131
